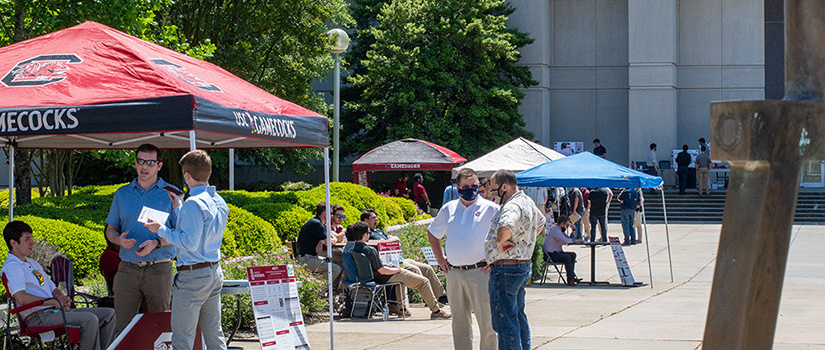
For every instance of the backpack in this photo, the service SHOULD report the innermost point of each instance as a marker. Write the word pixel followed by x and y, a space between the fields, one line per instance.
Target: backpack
pixel 565 207
pixel 357 302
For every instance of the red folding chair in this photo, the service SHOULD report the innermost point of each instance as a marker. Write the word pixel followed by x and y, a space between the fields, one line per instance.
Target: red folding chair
pixel 62 274
pixel 36 333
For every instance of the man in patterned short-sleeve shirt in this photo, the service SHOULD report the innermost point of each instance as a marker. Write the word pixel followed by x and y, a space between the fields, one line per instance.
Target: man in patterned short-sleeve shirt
pixel 509 247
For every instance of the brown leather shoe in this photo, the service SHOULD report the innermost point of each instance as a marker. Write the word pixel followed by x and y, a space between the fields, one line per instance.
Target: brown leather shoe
pixel 440 314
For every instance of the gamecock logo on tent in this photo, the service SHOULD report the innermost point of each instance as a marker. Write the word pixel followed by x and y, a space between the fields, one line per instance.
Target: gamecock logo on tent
pixel 41 70
pixel 181 73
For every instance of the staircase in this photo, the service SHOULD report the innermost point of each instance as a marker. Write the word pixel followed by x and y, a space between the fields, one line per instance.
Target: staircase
pixel 810 208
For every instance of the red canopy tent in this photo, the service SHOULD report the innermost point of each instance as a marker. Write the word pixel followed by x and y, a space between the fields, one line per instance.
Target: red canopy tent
pixel 405 155
pixel 90 86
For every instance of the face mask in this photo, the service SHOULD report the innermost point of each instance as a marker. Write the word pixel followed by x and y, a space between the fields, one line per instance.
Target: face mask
pixel 468 194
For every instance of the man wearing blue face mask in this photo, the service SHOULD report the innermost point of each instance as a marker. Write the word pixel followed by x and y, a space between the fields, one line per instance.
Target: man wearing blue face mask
pixel 465 222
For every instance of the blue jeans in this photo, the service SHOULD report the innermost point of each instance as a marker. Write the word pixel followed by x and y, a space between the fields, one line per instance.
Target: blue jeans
pixel 627 225
pixel 196 300
pixel 601 221
pixel 578 224
pixel 506 287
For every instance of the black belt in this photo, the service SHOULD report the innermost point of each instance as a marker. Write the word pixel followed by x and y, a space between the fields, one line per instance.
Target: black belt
pixel 469 267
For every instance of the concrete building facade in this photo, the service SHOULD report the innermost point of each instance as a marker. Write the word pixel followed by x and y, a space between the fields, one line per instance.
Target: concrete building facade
pixel 635 72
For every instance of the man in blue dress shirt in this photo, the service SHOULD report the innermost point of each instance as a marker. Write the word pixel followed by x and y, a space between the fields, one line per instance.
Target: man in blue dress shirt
pixel 197 237
pixel 145 275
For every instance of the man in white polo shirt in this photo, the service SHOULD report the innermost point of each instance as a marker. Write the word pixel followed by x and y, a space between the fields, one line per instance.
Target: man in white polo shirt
pixel 465 222
pixel 28 283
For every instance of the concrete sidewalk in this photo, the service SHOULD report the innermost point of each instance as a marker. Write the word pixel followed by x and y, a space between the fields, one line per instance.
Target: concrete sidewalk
pixel 671 315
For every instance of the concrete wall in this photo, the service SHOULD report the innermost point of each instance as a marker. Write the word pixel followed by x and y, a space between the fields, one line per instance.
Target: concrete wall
pixel 632 72
pixel 580 59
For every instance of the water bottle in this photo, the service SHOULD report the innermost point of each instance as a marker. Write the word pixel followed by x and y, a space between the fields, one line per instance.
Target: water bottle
pixel 386 312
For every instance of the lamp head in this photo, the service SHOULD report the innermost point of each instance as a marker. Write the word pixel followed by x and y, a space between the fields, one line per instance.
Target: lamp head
pixel 341 40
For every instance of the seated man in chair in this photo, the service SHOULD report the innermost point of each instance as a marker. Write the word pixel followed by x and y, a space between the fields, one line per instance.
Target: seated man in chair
pixel 552 245
pixel 27 283
pixel 378 236
pixel 358 233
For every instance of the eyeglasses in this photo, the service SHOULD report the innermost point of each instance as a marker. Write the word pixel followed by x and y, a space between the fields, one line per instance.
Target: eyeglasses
pixel 341 216
pixel 149 162
pixel 473 187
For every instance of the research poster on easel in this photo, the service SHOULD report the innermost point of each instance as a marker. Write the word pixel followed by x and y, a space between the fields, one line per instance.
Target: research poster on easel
pixel 277 307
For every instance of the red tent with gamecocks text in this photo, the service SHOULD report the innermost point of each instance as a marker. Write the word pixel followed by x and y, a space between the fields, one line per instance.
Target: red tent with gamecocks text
pixel 90 86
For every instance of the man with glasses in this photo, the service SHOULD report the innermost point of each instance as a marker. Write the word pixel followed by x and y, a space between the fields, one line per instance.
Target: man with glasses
pixel 144 275
pixel 378 236
pixel 465 223
pixel 312 241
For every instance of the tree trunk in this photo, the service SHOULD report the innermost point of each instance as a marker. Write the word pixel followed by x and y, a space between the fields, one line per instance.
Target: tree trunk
pixel 22 176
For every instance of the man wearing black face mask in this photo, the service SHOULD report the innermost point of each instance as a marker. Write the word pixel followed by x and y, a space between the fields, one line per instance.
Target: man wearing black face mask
pixel 465 222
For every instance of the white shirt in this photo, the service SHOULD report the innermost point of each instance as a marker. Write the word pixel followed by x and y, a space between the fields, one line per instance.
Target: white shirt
pixel 465 228
pixel 651 159
pixel 21 277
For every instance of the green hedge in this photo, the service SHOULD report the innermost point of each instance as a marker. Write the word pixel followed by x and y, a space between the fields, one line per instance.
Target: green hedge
pixel 81 245
pixel 408 208
pixel 250 233
pixel 286 218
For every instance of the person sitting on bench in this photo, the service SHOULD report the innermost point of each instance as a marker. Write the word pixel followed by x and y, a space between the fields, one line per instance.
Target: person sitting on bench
pixel 358 233
pixel 552 245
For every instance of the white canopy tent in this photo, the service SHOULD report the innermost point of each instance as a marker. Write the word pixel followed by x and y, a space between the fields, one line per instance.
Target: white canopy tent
pixel 517 155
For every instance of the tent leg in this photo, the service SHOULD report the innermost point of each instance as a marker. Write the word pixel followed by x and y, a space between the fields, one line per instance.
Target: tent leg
pixel 667 233
pixel 231 169
pixel 329 246
pixel 647 245
pixel 192 140
pixel 11 182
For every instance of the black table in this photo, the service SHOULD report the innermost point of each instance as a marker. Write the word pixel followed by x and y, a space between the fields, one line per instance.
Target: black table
pixel 592 246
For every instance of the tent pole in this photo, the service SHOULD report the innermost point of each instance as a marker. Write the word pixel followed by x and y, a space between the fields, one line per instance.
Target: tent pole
pixel 231 169
pixel 667 233
pixel 329 246
pixel 11 182
pixel 192 140
pixel 647 244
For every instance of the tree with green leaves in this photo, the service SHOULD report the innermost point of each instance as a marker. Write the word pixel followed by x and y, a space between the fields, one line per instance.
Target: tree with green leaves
pixel 443 71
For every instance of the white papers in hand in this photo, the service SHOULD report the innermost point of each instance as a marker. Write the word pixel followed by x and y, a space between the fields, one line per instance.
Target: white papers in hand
pixel 149 213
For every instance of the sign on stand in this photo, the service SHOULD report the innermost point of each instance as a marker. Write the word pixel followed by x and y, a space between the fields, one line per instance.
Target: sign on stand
pixel 390 253
pixel 277 307
pixel 621 263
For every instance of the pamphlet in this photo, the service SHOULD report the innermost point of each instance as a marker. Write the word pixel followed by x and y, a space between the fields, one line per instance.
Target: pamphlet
pixel 154 214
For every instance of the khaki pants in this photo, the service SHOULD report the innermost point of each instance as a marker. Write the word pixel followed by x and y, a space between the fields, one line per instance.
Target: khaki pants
pixel 134 283
pixel 637 223
pixel 96 324
pixel 702 180
pixel 316 264
pixel 586 222
pixel 416 282
pixel 426 271
pixel 467 297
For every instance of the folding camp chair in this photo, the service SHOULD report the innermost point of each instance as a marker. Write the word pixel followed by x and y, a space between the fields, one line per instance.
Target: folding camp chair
pixel 62 274
pixel 378 291
pixel 549 261
pixel 37 335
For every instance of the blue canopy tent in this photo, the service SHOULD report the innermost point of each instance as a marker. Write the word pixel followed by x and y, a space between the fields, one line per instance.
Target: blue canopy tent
pixel 588 170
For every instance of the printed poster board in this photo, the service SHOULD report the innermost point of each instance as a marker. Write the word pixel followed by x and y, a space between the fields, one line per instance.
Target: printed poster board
pixel 390 253
pixel 277 307
pixel 621 263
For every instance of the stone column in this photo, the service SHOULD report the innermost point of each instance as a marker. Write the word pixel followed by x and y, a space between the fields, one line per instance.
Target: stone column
pixel 653 54
pixel 536 19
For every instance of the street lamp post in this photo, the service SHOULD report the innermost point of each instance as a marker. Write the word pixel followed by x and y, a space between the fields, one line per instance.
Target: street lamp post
pixel 340 45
